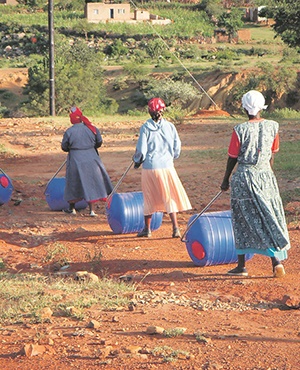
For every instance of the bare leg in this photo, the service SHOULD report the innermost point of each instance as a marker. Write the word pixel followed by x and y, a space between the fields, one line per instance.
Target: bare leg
pixel 241 260
pixel 240 269
pixel 176 232
pixel 173 217
pixel 71 209
pixel 148 222
pixel 278 269
pixel 275 261
pixel 147 228
pixel 91 208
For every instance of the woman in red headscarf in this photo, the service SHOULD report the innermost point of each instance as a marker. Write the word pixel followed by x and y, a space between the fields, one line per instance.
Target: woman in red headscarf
pixel 86 176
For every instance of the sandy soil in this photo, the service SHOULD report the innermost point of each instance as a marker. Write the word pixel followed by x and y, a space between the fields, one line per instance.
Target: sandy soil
pixel 242 323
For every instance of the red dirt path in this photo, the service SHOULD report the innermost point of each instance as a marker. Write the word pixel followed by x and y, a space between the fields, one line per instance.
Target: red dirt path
pixel 244 322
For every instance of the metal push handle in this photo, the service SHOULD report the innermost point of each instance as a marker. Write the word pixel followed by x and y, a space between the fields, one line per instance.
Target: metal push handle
pixel 54 175
pixel 3 172
pixel 119 182
pixel 200 214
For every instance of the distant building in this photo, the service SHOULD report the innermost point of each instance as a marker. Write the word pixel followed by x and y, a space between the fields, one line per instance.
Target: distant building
pixel 252 14
pixel 9 2
pixel 220 35
pixel 108 11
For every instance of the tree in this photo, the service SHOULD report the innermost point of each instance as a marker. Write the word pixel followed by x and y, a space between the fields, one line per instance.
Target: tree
pixel 231 21
pixel 78 80
pixel 286 14
pixel 117 49
pixel 213 8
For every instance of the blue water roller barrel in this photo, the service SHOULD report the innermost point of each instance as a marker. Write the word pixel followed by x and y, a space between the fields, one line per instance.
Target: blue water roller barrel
pixel 55 195
pixel 125 213
pixel 210 240
pixel 6 189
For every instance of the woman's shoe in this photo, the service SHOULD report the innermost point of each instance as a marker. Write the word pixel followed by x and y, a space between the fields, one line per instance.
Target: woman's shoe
pixel 144 233
pixel 176 233
pixel 70 211
pixel 238 271
pixel 93 214
pixel 278 271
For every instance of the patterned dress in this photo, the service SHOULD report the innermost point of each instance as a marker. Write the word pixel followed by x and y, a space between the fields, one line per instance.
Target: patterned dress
pixel 86 176
pixel 257 212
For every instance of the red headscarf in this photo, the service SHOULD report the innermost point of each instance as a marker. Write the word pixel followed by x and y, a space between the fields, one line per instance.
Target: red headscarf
pixel 76 116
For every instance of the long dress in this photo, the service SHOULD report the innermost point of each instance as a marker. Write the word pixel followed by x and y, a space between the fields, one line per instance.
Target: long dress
pixel 157 147
pixel 257 212
pixel 86 176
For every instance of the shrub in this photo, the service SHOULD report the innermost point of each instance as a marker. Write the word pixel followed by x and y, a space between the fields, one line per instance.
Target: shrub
pixel 135 71
pixel 120 83
pixel 108 106
pixel 285 113
pixel 176 93
pixel 3 111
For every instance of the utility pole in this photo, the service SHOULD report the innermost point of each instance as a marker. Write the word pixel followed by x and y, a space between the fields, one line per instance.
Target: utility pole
pixel 51 59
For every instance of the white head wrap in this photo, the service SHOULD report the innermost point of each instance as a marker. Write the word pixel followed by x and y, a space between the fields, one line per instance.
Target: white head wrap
pixel 253 101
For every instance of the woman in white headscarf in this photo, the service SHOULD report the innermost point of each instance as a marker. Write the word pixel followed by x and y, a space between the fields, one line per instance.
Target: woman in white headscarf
pixel 258 219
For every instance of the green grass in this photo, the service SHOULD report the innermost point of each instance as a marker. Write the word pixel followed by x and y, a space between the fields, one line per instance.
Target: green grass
pixel 206 155
pixel 284 114
pixel 288 159
pixel 23 296
pixel 173 332
pixel 262 33
pixel 168 354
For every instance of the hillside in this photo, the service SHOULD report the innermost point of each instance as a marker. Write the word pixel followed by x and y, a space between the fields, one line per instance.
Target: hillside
pixel 218 86
pixel 175 50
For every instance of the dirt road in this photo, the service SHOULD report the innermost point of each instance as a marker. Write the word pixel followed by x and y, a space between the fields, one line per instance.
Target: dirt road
pixel 230 323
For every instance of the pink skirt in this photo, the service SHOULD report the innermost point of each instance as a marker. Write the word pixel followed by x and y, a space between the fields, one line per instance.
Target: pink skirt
pixel 163 191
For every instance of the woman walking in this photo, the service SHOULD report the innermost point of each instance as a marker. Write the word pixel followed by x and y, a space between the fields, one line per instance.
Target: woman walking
pixel 257 212
pixel 157 147
pixel 86 176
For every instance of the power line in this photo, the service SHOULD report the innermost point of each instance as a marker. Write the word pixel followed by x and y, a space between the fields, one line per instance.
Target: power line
pixel 178 59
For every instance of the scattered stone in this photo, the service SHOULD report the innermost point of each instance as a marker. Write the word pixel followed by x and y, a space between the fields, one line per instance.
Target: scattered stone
pixel 155 330
pixel 46 341
pixel 142 356
pixel 30 350
pixel 80 230
pixel 146 351
pixel 126 278
pixel 202 337
pixel 131 307
pixel 155 298
pixel 132 349
pixel 65 267
pixel 94 324
pixel 105 352
pixel 46 313
pixel 114 353
pixel 73 311
pixel 84 275
pixel 291 301
pixel 56 266
pixel 176 275
pixel 25 250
